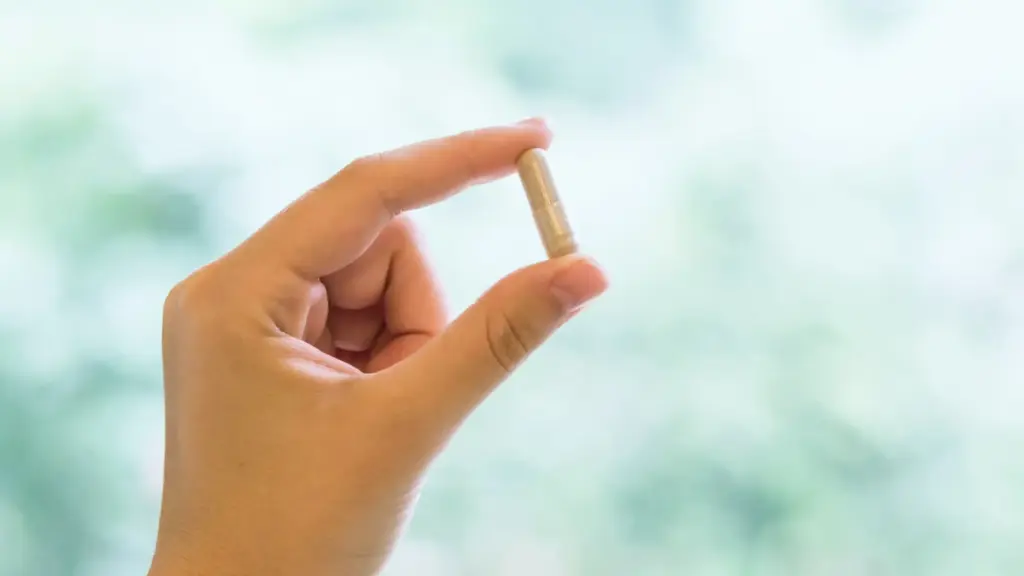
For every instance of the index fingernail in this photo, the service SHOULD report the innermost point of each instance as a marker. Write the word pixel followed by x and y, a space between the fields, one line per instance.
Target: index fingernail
pixel 534 121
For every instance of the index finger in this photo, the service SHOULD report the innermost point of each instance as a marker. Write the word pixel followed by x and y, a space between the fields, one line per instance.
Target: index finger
pixel 331 225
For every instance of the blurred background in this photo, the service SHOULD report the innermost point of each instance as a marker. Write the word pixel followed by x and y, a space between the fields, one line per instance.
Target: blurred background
pixel 812 211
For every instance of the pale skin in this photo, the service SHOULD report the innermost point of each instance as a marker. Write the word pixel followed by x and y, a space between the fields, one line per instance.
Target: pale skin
pixel 311 376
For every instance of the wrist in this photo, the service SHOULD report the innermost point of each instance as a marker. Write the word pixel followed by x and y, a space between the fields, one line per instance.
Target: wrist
pixel 178 563
pixel 167 564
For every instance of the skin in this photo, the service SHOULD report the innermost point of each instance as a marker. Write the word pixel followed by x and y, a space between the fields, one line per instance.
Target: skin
pixel 311 377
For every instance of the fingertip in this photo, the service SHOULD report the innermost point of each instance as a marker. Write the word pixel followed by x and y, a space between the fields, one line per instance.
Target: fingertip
pixel 539 129
pixel 578 280
pixel 535 121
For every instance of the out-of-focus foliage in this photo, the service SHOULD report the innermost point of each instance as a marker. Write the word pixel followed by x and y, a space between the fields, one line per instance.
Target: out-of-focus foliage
pixel 74 203
pixel 811 356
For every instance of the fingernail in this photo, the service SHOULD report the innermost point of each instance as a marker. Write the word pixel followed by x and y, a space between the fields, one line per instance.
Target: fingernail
pixel 535 121
pixel 579 283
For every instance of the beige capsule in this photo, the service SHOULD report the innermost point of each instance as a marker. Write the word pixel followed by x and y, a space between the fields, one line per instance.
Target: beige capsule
pixel 548 213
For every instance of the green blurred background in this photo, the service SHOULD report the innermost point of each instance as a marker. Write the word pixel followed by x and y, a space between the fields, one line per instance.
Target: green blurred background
pixel 811 360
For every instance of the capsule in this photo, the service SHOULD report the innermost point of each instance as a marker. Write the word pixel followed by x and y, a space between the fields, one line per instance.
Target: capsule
pixel 548 213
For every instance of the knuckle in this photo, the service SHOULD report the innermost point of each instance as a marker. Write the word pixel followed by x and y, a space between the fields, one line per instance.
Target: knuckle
pixel 371 171
pixel 181 297
pixel 195 299
pixel 363 164
pixel 209 311
pixel 509 342
pixel 405 230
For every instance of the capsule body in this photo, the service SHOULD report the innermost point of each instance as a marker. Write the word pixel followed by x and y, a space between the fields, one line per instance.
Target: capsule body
pixel 548 213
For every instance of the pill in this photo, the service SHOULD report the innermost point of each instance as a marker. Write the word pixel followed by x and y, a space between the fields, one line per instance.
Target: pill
pixel 548 213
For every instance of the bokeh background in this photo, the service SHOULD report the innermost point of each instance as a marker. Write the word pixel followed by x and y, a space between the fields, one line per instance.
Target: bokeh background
pixel 811 360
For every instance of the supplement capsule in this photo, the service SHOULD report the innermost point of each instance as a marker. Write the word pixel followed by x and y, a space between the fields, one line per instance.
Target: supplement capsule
pixel 547 209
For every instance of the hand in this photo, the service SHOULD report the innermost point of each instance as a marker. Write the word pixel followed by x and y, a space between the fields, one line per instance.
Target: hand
pixel 309 376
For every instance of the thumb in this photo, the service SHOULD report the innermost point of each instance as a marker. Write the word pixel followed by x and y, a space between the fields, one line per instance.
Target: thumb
pixel 455 371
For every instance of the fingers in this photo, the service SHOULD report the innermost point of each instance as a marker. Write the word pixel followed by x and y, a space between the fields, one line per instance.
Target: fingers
pixel 413 302
pixel 354 330
pixel 393 349
pixel 394 273
pixel 331 225
pixel 414 308
pixel 454 372
pixel 393 282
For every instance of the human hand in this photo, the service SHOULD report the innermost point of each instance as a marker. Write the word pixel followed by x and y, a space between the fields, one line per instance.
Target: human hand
pixel 309 376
